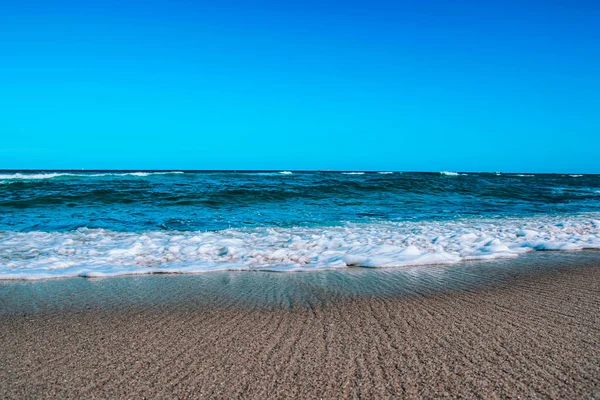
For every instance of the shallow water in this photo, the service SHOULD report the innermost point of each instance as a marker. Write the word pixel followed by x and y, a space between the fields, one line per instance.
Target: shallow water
pixel 274 290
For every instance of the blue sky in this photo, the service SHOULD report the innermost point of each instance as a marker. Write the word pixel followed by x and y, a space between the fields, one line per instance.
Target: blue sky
pixel 379 85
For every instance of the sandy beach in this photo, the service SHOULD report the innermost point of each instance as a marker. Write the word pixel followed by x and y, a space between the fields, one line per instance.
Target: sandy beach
pixel 299 200
pixel 531 332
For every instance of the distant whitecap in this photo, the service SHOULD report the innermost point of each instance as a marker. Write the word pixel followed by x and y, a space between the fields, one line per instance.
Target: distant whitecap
pixel 34 176
pixel 449 173
pixel 26 176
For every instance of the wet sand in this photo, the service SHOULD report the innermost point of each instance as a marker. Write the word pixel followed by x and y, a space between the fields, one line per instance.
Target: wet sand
pixel 529 332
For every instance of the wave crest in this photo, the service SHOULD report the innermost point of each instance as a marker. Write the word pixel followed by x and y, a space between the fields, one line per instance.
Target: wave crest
pixel 450 173
pixel 34 176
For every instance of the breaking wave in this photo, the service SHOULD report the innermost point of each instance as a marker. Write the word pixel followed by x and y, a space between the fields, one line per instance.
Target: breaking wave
pixel 450 173
pixel 36 176
pixel 100 252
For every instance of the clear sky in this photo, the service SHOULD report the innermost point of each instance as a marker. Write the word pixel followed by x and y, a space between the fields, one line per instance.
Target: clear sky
pixel 329 84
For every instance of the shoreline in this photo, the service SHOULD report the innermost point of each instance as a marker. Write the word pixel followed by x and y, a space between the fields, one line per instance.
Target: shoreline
pixel 271 290
pixel 533 331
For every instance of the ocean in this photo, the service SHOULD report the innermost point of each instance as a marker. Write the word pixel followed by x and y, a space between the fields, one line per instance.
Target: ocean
pixel 107 223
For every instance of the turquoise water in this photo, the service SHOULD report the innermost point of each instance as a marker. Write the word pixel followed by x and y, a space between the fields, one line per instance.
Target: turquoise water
pixel 55 201
pixel 102 223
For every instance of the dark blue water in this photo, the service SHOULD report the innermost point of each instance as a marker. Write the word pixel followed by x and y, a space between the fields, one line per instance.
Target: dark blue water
pixel 208 201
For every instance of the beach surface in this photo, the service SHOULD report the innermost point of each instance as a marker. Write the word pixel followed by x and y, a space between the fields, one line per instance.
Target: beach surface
pixel 533 330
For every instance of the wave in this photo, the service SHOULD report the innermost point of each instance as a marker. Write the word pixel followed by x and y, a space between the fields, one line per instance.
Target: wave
pixel 136 173
pixel 385 173
pixel 34 176
pixel 353 173
pixel 523 175
pixel 575 176
pixel 286 172
pixel 98 252
pixel 450 173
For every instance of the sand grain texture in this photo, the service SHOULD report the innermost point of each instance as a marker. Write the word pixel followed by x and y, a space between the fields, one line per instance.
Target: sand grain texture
pixel 537 336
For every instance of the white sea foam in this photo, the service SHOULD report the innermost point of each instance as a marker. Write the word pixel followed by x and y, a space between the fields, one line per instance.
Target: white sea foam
pixel 286 172
pixel 449 173
pixel 385 173
pixel 353 173
pixel 140 174
pixel 98 252
pixel 32 176
pixel 575 176
pixel 524 175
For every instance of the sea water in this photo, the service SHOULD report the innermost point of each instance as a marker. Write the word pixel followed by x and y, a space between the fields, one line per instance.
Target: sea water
pixel 108 223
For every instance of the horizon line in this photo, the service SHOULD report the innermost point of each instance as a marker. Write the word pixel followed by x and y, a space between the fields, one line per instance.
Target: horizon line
pixel 16 170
